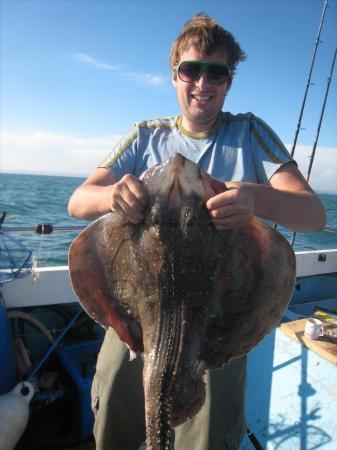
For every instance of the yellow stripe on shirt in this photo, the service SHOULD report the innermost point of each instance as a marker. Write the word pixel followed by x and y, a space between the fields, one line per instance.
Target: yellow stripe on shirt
pixel 266 147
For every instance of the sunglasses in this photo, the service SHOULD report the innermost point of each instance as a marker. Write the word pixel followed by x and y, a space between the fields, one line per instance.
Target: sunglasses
pixel 190 71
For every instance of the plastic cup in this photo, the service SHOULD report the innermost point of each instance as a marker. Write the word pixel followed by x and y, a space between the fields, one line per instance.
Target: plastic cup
pixel 313 329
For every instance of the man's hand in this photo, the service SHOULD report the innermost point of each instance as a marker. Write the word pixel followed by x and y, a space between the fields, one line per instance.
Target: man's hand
pixel 287 200
pixel 235 207
pixel 128 198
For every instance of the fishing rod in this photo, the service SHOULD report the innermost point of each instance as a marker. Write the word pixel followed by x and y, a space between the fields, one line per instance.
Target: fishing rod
pixel 309 79
pixel 41 228
pixel 308 84
pixel 321 116
pixel 313 152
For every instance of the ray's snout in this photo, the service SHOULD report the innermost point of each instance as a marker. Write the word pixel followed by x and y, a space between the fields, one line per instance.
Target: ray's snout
pixel 178 179
pixel 186 173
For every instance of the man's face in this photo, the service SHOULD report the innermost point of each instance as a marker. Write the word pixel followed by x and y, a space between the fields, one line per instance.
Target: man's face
pixel 200 101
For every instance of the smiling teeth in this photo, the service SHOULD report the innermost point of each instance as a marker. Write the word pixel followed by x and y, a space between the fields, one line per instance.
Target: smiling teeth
pixel 201 99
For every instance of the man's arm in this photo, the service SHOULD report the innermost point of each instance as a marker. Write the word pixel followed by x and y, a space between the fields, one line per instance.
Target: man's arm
pixel 287 200
pixel 292 202
pixel 102 193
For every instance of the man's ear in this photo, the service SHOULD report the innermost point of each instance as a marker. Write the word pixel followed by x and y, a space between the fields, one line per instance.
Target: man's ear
pixel 174 78
pixel 229 85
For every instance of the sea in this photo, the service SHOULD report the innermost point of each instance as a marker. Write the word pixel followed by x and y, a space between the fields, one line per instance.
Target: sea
pixel 30 200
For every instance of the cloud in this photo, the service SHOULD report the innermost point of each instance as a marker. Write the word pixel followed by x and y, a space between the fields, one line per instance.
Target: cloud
pixel 53 153
pixel 324 168
pixel 150 79
pixel 89 60
pixel 147 78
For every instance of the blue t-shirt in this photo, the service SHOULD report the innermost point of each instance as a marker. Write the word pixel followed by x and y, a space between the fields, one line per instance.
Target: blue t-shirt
pixel 239 148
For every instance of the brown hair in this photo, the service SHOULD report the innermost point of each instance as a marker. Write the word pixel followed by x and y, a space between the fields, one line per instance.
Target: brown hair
pixel 206 35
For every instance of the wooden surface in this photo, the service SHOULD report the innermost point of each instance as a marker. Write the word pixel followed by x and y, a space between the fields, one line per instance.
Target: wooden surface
pixel 324 347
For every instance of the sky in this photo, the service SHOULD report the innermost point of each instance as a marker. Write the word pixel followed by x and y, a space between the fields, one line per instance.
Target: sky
pixel 75 76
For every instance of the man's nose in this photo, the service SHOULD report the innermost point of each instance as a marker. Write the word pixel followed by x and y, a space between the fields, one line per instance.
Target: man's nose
pixel 203 80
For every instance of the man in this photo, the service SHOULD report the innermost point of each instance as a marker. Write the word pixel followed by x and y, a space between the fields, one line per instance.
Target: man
pixel 240 150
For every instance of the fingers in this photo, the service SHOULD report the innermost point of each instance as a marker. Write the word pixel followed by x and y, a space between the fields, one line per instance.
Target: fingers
pixel 232 208
pixel 223 199
pixel 129 198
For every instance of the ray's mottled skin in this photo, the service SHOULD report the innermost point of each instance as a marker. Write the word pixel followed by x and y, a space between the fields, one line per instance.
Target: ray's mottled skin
pixel 186 296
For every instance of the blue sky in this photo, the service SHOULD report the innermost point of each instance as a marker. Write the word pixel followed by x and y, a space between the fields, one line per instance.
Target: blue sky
pixel 75 75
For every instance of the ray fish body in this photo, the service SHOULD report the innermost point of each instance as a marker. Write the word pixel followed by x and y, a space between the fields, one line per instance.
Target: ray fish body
pixel 186 296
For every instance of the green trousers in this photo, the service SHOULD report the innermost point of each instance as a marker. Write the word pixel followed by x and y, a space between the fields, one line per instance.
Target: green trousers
pixel 118 404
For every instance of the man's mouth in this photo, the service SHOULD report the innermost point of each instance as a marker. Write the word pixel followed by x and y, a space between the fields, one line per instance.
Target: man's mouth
pixel 201 98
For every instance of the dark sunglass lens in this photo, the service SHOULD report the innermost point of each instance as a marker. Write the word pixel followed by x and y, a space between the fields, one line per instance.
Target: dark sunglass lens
pixel 189 71
pixel 217 74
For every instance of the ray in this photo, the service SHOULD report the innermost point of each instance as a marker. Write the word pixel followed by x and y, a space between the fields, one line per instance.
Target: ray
pixel 180 293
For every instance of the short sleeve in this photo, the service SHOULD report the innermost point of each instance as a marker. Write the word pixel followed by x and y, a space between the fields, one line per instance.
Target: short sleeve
pixel 269 153
pixel 123 156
